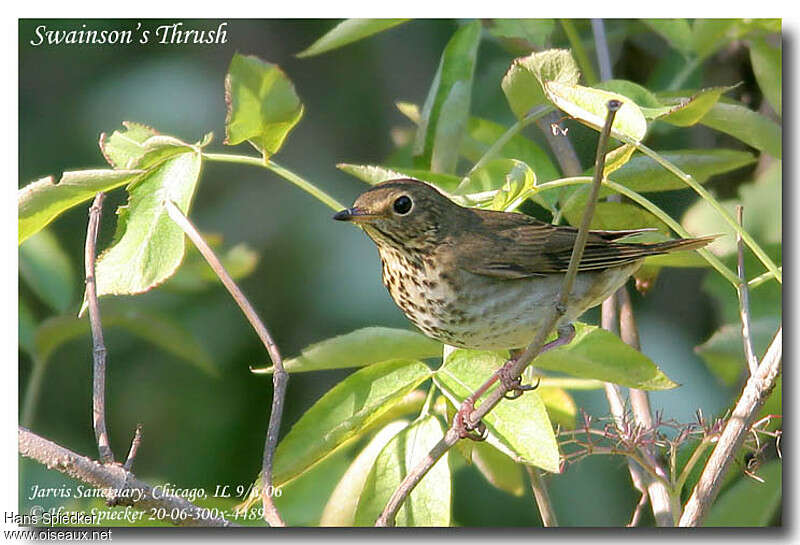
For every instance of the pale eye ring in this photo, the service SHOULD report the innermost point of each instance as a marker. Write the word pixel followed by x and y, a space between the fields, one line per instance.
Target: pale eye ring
pixel 402 205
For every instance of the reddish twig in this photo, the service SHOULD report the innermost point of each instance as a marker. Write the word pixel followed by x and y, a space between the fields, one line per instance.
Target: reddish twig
pixel 279 376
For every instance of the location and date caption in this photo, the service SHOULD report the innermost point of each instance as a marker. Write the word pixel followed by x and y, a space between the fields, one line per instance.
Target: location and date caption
pixel 125 514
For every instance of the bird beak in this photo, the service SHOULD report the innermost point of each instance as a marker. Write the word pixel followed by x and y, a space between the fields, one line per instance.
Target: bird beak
pixel 354 214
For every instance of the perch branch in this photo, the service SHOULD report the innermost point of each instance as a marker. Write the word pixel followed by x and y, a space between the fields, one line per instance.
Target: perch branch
pixel 98 345
pixel 556 313
pixel 755 392
pixel 744 300
pixel 118 484
pixel 137 440
pixel 279 376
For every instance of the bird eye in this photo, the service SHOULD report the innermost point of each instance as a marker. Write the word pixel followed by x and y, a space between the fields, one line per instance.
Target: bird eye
pixel 402 205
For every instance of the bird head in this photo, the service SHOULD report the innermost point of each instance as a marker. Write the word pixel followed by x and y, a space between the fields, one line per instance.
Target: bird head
pixel 402 213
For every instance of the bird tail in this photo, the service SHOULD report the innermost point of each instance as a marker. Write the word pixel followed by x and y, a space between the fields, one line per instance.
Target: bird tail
pixel 682 244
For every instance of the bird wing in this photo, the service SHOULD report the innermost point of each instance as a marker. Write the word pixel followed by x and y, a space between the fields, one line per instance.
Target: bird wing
pixel 509 246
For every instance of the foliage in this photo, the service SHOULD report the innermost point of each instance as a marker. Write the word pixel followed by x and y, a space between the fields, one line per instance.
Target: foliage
pixel 373 408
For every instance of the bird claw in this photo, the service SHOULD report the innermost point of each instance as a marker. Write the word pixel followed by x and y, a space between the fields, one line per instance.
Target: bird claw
pixel 515 387
pixel 478 432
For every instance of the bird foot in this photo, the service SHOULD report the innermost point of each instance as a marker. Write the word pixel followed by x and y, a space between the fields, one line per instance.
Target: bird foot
pixel 513 385
pixel 461 423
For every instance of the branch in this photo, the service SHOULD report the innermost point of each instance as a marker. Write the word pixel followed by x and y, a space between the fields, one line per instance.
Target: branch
pixel 542 498
pixel 756 391
pixel 744 299
pixel 99 348
pixel 118 484
pixel 660 497
pixel 279 376
pixel 554 315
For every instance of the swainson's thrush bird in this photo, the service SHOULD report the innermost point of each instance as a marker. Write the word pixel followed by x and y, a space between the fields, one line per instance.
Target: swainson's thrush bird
pixel 482 279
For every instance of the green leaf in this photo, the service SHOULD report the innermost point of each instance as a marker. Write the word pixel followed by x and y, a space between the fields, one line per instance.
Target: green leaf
pixel 643 174
pixel 677 32
pixel 27 327
pixel 599 354
pixel 376 174
pixel 642 96
pixel 343 413
pixel 767 67
pixel 446 109
pixel 560 406
pixel 195 274
pixel 148 246
pixel 588 105
pixel 482 133
pixel 157 329
pixel 262 104
pixel 687 111
pixel 535 32
pixel 513 180
pixel 47 270
pixel 124 149
pixel 746 125
pixel 360 348
pixel 42 201
pixel 410 110
pixel 749 502
pixel 710 35
pixel 723 352
pixel 500 470
pixel 612 216
pixel 524 82
pixel 429 502
pixel 341 507
pixel 520 429
pixel 762 214
pixel 347 32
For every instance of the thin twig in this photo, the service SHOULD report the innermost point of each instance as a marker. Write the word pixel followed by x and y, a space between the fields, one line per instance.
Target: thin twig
pixel 556 313
pixel 98 345
pixel 756 391
pixel 118 485
pixel 637 512
pixel 664 511
pixel 137 440
pixel 279 376
pixel 744 300
pixel 543 502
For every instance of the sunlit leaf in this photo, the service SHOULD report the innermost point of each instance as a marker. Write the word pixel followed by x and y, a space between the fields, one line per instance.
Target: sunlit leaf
pixel 429 502
pixel 40 202
pixel 341 507
pixel 599 354
pixel 362 347
pixel 501 471
pixel 347 32
pixel 520 429
pixel 373 174
pixel 524 82
pixel 687 111
pixel 343 412
pixel 560 406
pixel 263 106
pixel 446 109
pixel 195 274
pixel 148 246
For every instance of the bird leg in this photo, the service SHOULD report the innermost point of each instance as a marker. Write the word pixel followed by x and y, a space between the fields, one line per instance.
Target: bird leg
pixel 514 385
pixel 477 432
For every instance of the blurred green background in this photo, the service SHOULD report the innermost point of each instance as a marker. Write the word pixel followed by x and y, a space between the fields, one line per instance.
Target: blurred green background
pixel 315 279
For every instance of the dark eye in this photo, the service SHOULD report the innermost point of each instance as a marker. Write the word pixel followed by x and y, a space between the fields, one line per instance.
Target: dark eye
pixel 402 205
